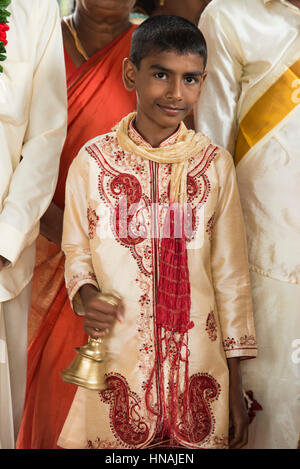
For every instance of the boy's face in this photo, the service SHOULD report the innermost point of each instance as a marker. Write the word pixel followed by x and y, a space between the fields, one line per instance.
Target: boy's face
pixel 168 85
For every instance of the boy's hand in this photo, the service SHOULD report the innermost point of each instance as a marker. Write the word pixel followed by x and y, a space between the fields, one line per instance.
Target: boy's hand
pixel 237 407
pixel 100 315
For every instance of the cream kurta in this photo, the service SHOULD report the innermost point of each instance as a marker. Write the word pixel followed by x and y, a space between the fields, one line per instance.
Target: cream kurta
pixel 251 43
pixel 128 415
pixel 33 118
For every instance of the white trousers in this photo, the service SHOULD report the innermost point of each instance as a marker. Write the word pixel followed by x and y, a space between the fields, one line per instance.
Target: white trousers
pixel 13 364
pixel 274 376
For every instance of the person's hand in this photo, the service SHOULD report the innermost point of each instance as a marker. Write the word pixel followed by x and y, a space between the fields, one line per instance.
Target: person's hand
pixel 3 262
pixel 100 315
pixel 238 433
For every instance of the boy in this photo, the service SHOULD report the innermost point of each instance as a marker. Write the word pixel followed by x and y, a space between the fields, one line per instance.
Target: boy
pixel 184 297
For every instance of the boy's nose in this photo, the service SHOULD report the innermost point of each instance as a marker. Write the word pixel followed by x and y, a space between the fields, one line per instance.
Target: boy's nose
pixel 175 90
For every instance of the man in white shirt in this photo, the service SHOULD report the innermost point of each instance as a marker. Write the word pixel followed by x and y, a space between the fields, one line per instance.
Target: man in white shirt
pixel 251 105
pixel 33 114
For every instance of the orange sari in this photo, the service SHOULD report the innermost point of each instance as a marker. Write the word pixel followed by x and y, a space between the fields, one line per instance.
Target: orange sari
pixel 95 89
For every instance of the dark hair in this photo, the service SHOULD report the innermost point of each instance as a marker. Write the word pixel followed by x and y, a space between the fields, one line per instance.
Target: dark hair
pixel 146 6
pixel 167 33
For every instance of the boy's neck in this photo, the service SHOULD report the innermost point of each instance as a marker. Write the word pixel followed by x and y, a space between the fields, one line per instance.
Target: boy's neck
pixel 151 132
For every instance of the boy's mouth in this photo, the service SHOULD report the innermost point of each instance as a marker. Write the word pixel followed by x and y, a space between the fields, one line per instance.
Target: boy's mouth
pixel 171 110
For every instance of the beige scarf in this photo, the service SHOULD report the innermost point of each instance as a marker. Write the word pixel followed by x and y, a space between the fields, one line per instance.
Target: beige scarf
pixel 178 154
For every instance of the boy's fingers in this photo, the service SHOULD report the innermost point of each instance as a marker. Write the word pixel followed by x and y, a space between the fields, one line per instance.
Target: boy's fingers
pixel 240 438
pixel 101 313
pixel 99 316
pixel 116 304
pixel 101 324
pixel 95 334
pixel 99 305
pixel 120 311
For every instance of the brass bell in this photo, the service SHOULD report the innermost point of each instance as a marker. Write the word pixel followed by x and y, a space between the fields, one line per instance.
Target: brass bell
pixel 88 367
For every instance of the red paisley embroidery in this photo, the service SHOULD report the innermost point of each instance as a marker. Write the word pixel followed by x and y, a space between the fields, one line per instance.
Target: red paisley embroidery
pixel 210 226
pixel 126 423
pixel 192 186
pixel 92 222
pixel 126 190
pixel 199 187
pixel 197 420
pixel 211 326
pixel 127 186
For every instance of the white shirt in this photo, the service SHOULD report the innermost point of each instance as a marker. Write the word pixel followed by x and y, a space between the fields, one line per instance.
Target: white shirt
pixel 251 43
pixel 33 115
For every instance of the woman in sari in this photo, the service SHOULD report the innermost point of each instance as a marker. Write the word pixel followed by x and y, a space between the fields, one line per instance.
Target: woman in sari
pixel 96 39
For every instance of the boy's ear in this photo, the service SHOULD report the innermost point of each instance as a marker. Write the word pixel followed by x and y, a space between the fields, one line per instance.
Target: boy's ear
pixel 129 74
pixel 203 78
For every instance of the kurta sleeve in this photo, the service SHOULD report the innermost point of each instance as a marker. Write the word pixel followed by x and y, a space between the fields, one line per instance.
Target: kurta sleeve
pixel 33 182
pixel 230 271
pixel 216 111
pixel 75 242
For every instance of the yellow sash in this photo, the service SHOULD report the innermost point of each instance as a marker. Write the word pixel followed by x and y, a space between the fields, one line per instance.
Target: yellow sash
pixel 277 102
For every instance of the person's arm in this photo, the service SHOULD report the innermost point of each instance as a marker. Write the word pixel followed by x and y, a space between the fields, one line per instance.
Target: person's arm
pixel 216 111
pixel 238 431
pixel 81 281
pixel 230 276
pixel 52 224
pixel 33 181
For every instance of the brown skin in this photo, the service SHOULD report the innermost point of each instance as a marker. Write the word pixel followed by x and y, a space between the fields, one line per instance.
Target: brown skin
pixel 2 262
pixel 167 85
pixel 237 407
pixel 189 9
pixel 295 2
pixel 97 23
pixel 98 314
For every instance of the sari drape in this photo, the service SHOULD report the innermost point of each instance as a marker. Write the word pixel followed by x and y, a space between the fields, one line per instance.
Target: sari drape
pixel 97 100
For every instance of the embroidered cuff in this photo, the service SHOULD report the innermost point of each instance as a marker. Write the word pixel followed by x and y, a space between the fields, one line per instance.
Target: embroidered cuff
pixel 76 282
pixel 243 347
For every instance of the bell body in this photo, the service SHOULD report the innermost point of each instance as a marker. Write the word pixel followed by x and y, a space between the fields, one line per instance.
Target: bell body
pixel 88 367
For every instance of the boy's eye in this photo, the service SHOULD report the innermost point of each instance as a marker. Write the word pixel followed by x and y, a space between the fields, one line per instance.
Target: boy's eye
pixel 160 75
pixel 190 80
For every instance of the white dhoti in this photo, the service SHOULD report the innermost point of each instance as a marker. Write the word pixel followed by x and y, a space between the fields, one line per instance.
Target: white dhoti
pixel 274 377
pixel 13 364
